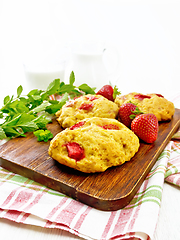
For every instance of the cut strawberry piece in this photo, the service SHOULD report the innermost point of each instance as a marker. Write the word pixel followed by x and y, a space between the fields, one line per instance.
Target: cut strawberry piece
pixel 77 125
pixel 107 92
pixel 126 111
pixel 75 151
pixel 86 106
pixel 110 127
pixel 159 95
pixel 141 96
pixel 145 126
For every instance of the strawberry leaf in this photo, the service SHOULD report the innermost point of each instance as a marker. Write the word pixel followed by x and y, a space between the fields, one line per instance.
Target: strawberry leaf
pixel 116 92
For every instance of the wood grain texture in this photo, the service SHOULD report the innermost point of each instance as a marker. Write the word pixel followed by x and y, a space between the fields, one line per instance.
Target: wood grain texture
pixel 110 190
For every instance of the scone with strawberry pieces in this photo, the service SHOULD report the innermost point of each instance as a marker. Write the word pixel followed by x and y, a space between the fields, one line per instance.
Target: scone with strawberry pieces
pixel 94 144
pixel 86 106
pixel 149 103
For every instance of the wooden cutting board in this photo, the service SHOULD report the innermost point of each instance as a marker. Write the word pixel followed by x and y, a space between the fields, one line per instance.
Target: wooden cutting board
pixel 111 190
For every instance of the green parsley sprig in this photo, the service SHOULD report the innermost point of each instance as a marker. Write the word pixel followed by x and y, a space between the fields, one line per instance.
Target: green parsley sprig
pixel 29 113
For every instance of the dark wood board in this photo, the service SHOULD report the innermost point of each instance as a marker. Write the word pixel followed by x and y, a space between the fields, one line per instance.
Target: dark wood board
pixel 111 190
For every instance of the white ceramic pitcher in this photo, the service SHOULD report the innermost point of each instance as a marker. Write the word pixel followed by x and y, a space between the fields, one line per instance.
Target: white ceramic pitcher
pixel 90 64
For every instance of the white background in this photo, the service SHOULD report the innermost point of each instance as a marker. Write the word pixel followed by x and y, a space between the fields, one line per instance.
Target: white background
pixel 146 35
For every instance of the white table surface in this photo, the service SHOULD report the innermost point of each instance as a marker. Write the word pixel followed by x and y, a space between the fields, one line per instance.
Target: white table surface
pixel 147 38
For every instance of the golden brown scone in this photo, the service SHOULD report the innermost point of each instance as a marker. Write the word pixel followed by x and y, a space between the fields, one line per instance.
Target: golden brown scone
pixel 94 144
pixel 149 103
pixel 86 107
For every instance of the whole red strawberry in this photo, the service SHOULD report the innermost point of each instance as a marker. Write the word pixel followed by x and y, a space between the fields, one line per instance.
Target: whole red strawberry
pixel 107 92
pixel 145 126
pixel 125 111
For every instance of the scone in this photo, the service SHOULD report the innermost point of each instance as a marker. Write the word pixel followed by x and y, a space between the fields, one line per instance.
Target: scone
pixel 150 103
pixel 86 106
pixel 94 144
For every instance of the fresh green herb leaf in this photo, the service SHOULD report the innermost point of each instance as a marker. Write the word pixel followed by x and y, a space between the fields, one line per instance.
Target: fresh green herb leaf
pixel 66 88
pixel 85 88
pixel 53 87
pixel 28 126
pixel 1 115
pixel 11 132
pixel 42 121
pixel 75 93
pixel 40 108
pixel 13 121
pixel 72 78
pixel 6 99
pixel 2 134
pixel 34 92
pixel 43 135
pixel 53 108
pixel 19 91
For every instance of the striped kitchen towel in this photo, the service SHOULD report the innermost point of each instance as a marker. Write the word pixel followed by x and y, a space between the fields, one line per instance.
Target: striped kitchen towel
pixel 25 201
pixel 173 168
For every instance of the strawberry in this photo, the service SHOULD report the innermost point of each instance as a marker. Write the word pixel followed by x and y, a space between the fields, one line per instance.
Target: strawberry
pixel 107 92
pixel 75 151
pixel 145 126
pixel 127 112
